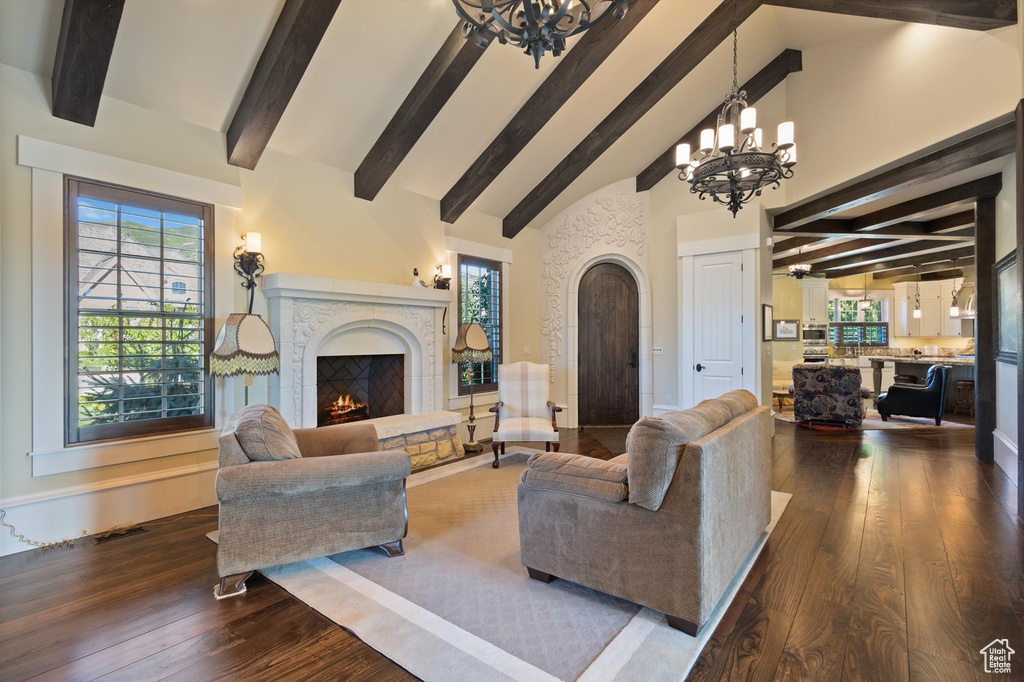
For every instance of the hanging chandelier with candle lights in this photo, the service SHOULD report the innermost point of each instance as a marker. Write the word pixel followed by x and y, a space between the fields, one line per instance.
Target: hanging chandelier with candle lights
pixel 731 165
pixel 536 26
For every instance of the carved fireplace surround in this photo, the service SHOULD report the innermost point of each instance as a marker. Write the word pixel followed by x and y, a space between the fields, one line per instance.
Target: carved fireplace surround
pixel 308 314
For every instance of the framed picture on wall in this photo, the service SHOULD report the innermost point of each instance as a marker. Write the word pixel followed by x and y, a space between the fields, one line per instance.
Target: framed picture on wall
pixel 766 322
pixel 1006 288
pixel 787 330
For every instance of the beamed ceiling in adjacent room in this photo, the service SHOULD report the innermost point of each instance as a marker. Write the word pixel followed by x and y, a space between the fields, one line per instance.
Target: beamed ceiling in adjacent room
pixel 194 59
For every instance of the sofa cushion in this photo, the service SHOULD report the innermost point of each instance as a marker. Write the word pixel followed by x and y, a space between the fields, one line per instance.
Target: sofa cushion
pixel 576 475
pixel 655 445
pixel 264 435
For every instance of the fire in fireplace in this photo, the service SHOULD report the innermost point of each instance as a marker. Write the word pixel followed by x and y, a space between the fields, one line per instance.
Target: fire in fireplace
pixel 356 387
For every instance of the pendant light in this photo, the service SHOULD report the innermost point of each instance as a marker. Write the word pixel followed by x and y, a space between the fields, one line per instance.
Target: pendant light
pixel 917 294
pixel 954 309
pixel 865 303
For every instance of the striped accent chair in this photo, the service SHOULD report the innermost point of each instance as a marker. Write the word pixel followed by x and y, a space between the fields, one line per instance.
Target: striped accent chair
pixel 524 411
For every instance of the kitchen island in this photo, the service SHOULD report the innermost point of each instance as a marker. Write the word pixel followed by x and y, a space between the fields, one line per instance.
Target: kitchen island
pixel 962 369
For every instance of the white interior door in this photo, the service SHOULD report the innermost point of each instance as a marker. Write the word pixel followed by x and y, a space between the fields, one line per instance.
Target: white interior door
pixel 718 324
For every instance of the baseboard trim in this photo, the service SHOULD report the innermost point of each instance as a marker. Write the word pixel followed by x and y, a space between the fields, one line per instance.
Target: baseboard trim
pixel 67 513
pixel 1005 454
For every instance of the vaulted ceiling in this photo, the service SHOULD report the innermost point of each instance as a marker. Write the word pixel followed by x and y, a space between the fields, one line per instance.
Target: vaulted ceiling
pixel 193 59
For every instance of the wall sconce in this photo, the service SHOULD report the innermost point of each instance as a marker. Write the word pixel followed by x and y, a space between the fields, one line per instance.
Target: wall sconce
pixel 249 262
pixel 443 278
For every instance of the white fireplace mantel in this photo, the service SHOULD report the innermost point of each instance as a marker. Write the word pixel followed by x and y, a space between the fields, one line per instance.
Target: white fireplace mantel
pixel 307 312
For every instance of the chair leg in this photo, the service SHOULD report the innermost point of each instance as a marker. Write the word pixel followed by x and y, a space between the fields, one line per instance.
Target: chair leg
pixel 682 625
pixel 547 447
pixel 539 575
pixel 884 417
pixel 393 548
pixel 503 447
pixel 231 585
pixel 938 421
pixel 554 446
pixel 496 447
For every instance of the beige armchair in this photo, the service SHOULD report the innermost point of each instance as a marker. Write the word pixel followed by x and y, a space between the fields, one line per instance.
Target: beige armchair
pixel 293 495
pixel 524 411
pixel 669 524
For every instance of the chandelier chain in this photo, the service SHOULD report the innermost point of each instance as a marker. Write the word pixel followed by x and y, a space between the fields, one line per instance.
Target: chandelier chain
pixel 735 49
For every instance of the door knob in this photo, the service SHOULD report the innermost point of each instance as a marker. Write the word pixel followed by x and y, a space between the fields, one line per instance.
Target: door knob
pixel 699 367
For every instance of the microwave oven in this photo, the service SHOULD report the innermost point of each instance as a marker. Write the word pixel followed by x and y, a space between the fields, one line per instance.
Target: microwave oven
pixel 816 334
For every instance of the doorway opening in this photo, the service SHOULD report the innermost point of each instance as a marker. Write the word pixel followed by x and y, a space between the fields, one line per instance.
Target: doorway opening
pixel 609 347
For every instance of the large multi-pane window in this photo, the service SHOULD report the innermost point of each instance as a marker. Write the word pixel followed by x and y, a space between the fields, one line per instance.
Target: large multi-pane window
pixel 480 301
pixel 138 300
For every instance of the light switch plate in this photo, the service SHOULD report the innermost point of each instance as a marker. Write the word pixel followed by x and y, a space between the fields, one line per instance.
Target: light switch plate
pixel 658 350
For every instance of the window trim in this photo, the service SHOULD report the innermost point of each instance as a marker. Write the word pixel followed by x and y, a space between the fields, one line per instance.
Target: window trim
pixel 489 387
pixel 151 427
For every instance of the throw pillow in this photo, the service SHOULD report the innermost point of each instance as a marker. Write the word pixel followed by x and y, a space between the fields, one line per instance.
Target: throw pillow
pixel 264 434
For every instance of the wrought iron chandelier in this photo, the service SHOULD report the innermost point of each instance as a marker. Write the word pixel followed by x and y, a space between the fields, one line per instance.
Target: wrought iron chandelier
pixel 733 171
pixel 537 26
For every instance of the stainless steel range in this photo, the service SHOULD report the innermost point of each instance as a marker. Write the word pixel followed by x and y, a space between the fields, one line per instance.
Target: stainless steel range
pixel 815 341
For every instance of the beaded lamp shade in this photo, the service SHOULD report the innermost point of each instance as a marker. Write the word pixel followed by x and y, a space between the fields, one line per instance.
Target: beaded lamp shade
pixel 245 345
pixel 471 345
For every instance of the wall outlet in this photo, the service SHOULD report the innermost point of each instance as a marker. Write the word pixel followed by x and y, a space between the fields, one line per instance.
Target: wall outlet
pixel 527 350
pixel 658 350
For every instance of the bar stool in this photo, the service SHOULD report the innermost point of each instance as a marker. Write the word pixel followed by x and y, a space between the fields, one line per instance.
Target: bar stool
pixel 964 396
pixel 905 379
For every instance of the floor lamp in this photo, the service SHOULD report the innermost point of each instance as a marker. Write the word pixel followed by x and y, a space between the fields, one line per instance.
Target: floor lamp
pixel 471 346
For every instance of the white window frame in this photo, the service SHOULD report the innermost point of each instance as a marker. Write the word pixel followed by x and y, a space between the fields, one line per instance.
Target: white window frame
pixel 50 162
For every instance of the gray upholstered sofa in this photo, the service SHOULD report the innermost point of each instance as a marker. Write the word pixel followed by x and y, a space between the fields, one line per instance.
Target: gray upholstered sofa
pixel 669 524
pixel 292 495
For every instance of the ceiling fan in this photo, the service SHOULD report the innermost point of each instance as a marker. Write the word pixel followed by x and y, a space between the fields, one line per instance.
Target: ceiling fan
pixel 799 271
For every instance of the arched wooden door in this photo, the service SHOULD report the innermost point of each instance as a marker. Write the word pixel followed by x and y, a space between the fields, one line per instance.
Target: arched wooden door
pixel 609 347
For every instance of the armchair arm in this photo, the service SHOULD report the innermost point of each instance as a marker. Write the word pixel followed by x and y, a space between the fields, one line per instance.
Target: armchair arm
pixel 576 475
pixel 340 439
pixel 497 413
pixel 554 409
pixel 309 475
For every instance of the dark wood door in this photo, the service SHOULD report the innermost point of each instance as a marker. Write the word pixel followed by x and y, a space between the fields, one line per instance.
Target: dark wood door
pixel 609 360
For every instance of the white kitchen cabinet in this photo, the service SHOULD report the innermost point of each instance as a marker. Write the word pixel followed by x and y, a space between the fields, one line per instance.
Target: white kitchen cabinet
pixel 934 321
pixel 815 300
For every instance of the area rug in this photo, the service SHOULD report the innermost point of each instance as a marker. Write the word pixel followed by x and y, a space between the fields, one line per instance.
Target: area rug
pixel 873 422
pixel 459 605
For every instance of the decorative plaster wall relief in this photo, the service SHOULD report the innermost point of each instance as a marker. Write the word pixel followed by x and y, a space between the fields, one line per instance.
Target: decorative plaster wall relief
pixel 613 217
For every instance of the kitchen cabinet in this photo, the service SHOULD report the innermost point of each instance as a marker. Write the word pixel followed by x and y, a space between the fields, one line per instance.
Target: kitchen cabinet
pixel 815 300
pixel 935 300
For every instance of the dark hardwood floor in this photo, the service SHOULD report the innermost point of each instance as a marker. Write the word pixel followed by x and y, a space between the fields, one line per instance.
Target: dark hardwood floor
pixel 898 558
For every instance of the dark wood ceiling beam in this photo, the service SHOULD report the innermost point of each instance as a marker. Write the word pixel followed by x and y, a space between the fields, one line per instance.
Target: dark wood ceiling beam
pixel 995 141
pixel 922 246
pixel 979 15
pixel 691 52
pixel 963 195
pixel 783 245
pixel 88 29
pixel 916 259
pixel 830 250
pixel 954 227
pixel 289 50
pixel 789 61
pixel 439 80
pixel 939 270
pixel 574 67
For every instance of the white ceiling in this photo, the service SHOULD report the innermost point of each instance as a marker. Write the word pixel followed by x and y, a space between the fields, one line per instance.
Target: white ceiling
pixel 192 59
